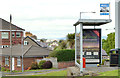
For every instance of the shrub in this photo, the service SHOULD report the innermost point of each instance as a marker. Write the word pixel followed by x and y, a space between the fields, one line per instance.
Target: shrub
pixel 34 65
pixel 47 65
pixel 3 69
pixel 63 55
pixel 7 70
pixel 103 60
pixel 78 61
pixel 41 63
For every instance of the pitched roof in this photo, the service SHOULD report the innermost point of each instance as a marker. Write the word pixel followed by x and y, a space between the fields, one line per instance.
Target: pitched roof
pixel 5 25
pixel 37 51
pixel 104 53
pixel 41 44
pixel 28 51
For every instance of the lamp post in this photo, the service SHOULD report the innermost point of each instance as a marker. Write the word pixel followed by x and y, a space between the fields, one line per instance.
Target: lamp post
pixel 10 44
pixel 81 43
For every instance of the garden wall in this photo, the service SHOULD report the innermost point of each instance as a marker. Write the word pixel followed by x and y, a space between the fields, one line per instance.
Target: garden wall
pixel 66 64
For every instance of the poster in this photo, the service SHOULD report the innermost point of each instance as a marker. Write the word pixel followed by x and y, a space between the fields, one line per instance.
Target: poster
pixel 91 46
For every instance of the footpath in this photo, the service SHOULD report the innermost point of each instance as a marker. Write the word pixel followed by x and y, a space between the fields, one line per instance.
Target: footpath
pixel 27 73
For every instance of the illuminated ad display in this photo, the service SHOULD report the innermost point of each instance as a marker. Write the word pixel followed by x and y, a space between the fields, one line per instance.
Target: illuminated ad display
pixel 92 45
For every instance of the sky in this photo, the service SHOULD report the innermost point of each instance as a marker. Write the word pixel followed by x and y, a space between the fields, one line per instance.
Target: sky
pixel 54 19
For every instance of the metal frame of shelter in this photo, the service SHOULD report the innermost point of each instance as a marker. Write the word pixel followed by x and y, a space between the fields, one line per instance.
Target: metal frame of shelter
pixel 86 22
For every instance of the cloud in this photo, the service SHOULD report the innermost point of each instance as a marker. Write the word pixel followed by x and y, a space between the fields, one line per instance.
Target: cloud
pixel 52 18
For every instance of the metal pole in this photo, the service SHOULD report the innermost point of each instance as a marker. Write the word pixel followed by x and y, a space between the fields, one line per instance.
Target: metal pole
pixel 22 53
pixel 75 46
pixel 10 44
pixel 80 15
pixel 109 10
pixel 101 46
pixel 81 48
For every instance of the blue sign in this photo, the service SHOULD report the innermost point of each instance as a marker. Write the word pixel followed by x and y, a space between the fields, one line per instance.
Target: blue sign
pixel 104 9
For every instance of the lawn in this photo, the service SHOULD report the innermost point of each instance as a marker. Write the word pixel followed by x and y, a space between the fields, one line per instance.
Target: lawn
pixel 110 73
pixel 57 73
pixel 63 74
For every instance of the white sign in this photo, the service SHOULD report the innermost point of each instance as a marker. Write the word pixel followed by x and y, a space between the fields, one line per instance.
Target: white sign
pixel 104 9
pixel 92 60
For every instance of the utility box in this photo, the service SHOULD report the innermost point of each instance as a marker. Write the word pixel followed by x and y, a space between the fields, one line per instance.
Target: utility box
pixel 115 57
pixel 119 57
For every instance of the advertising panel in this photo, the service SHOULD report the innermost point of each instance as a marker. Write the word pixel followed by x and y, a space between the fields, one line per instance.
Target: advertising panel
pixel 91 46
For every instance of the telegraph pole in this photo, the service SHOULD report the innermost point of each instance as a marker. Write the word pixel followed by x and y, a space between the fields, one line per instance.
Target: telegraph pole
pixel 10 44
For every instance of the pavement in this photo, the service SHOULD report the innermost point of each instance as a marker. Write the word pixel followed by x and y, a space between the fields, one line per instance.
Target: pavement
pixel 30 72
pixel 88 69
pixel 100 69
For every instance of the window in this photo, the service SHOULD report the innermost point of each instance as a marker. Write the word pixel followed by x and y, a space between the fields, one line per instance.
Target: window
pixel 18 34
pixel 95 53
pixel 88 53
pixel 3 46
pixel 6 61
pixel 4 35
pixel 25 42
pixel 13 34
pixel 18 61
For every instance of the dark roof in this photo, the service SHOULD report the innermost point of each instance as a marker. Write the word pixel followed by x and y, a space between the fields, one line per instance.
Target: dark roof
pixel 41 44
pixel 28 51
pixel 5 25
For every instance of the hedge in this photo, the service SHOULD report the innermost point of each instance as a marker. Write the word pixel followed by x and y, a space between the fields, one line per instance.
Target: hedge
pixel 63 55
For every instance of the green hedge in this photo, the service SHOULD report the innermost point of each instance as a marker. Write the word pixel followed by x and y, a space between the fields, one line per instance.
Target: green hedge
pixel 63 55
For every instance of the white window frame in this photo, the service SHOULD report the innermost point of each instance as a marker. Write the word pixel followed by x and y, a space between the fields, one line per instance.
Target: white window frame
pixel 4 35
pixel 18 61
pixel 13 33
pixel 18 33
pixel 25 42
pixel 6 61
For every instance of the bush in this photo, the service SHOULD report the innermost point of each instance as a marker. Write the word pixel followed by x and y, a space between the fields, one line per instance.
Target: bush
pixel 41 63
pixel 3 69
pixel 7 70
pixel 47 65
pixel 63 55
pixel 103 60
pixel 78 61
pixel 34 65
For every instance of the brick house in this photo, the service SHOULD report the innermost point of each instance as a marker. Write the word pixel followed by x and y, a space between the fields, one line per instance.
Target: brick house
pixel 32 49
pixel 17 33
pixel 31 53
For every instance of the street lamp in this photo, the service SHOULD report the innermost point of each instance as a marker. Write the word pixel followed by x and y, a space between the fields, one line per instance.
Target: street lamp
pixel 85 12
pixel 81 43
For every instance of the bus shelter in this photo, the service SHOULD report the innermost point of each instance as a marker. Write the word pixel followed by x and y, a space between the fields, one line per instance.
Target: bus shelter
pixel 91 38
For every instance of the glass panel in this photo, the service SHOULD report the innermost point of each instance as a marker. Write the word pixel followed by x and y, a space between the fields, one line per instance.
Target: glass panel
pixel 18 34
pixel 4 35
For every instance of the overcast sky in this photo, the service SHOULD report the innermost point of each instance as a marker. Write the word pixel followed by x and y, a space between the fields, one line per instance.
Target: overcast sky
pixel 53 19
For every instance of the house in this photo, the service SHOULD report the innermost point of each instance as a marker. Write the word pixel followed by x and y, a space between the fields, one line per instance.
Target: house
pixel 17 33
pixel 104 55
pixel 32 51
pixel 30 54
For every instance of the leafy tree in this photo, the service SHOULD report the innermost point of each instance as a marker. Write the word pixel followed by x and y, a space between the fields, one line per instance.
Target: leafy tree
pixel 71 40
pixel 62 45
pixel 109 43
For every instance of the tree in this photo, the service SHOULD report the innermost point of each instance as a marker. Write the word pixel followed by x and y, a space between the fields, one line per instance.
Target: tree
pixel 71 40
pixel 109 43
pixel 62 45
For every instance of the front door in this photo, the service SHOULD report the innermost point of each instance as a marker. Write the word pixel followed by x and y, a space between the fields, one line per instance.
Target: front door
pixel 13 68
